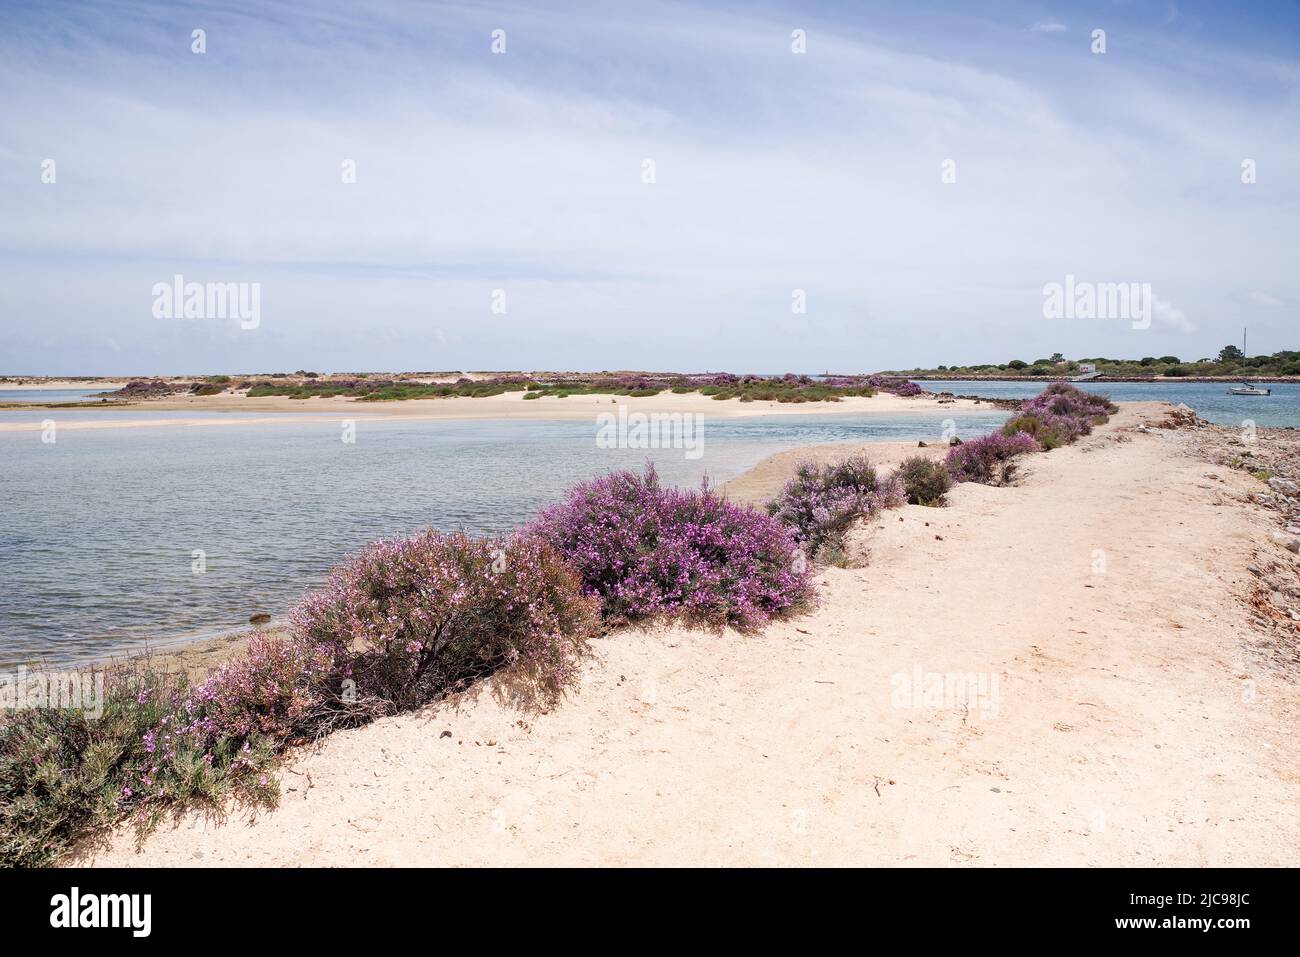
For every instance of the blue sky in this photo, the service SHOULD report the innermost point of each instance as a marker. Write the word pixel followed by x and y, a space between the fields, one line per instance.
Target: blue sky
pixel 523 172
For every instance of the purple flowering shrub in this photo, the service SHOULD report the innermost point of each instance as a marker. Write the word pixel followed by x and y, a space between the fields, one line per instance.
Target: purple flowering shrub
pixel 1071 411
pixel 895 385
pixel 1059 415
pixel 1061 398
pixel 66 773
pixel 220 735
pixel 1050 432
pixel 427 615
pixel 821 503
pixel 279 687
pixel 399 625
pixel 652 552
pixel 988 460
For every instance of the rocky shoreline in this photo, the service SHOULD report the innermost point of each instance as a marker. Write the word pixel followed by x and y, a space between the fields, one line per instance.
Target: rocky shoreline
pixel 1155 380
pixel 1272 456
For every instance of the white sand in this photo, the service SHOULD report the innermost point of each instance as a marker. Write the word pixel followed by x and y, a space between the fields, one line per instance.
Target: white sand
pixel 1133 724
pixel 510 405
pixel 107 385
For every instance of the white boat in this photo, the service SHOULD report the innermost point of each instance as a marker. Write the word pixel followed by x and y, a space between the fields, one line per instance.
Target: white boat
pixel 1246 388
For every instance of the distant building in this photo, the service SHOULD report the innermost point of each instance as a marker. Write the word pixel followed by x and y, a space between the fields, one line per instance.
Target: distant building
pixel 1087 370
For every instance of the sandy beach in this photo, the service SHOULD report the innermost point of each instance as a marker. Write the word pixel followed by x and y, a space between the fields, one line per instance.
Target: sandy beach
pixel 1130 713
pixel 40 383
pixel 239 409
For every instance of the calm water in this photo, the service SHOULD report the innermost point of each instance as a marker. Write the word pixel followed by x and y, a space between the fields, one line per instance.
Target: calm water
pixel 46 395
pixel 1210 400
pixel 99 527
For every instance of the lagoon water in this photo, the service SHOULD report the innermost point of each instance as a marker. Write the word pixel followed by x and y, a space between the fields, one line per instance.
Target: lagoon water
pixel 100 527
pixel 48 395
pixel 1210 399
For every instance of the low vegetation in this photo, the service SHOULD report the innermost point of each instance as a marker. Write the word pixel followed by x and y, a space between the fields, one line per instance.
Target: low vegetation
pixel 66 774
pixel 398 626
pixel 387 390
pixel 419 617
pixel 988 460
pixel 650 552
pixel 821 503
pixel 1057 416
pixel 1229 362
pixel 720 386
pixel 408 621
pixel 924 481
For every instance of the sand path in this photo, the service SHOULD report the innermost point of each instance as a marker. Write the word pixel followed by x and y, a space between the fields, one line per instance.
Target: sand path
pixel 1130 725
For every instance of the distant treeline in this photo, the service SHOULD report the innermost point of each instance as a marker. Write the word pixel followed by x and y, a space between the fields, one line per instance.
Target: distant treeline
pixel 1230 361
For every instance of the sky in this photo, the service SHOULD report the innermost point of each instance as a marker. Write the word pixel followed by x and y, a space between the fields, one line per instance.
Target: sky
pixel 654 186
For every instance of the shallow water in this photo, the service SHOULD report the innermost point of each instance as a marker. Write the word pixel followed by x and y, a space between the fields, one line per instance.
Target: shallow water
pixel 46 395
pixel 1210 399
pixel 100 527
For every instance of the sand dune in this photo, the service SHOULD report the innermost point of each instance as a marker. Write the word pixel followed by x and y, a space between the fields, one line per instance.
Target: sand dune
pixel 1131 722
pixel 28 385
pixel 510 405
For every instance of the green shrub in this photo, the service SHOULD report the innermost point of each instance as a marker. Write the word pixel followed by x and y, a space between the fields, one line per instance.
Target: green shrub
pixel 431 613
pixel 1048 436
pixel 924 480
pixel 66 774
pixel 403 623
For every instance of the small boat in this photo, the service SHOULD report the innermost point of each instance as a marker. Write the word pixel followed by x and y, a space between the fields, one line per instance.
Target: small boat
pixel 1246 388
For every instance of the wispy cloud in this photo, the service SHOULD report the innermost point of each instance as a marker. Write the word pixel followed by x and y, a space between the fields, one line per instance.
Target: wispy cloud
pixel 525 171
pixel 1165 313
pixel 1261 298
pixel 1048 26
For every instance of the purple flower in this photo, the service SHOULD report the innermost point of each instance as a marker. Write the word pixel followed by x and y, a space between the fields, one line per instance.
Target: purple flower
pixel 647 551
pixel 821 503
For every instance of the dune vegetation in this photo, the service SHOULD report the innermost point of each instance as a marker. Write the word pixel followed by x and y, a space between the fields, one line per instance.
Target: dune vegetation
pixel 406 622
